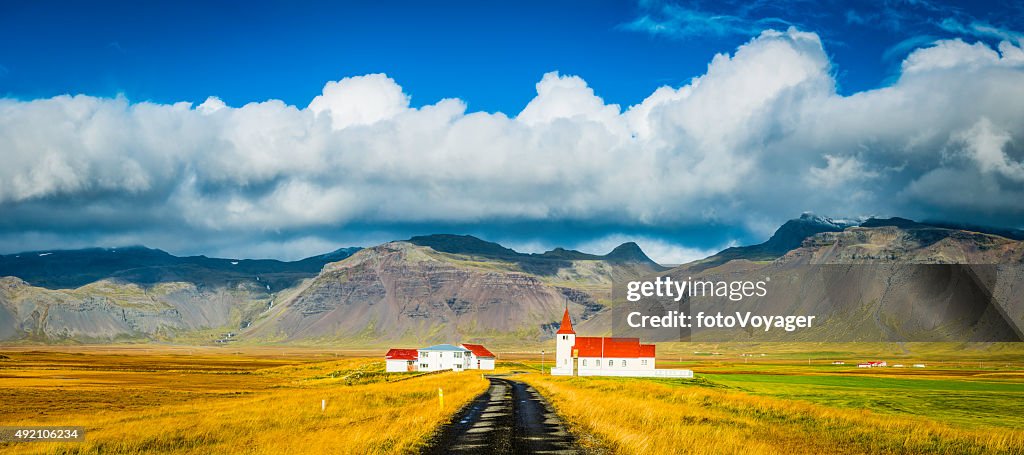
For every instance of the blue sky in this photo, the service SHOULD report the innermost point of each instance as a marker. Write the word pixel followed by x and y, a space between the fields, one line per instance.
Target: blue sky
pixel 124 164
pixel 489 55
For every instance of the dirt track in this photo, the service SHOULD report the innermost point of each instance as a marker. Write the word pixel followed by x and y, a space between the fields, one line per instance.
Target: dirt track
pixel 510 418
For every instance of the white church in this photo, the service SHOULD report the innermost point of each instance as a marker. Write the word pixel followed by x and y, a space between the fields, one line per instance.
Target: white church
pixel 605 356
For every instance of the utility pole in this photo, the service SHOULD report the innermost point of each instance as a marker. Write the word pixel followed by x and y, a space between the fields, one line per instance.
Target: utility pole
pixel 541 361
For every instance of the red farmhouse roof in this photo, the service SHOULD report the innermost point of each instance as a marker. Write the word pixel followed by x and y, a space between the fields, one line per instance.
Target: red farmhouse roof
pixel 566 327
pixel 401 354
pixel 629 348
pixel 478 350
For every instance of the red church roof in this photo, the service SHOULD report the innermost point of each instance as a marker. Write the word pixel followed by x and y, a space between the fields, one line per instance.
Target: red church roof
pixel 629 348
pixel 566 327
pixel 646 350
pixel 478 350
pixel 401 354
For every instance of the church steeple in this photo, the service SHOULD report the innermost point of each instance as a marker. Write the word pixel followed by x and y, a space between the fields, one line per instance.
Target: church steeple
pixel 566 327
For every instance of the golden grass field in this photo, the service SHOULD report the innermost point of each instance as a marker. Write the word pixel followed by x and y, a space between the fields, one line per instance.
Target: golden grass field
pixel 212 401
pixel 145 399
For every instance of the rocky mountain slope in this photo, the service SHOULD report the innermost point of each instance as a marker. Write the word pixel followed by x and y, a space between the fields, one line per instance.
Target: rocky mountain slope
pixel 458 288
pixel 787 237
pixel 107 294
pixel 430 288
pixel 886 280
pixel 107 311
pixel 549 262
pixel 792 233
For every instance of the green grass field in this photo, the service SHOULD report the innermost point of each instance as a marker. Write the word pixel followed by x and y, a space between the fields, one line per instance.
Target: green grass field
pixel 968 401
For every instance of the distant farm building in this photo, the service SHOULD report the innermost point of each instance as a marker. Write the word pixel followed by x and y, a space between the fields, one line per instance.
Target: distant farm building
pixel 871 364
pixel 605 356
pixel 838 362
pixel 439 358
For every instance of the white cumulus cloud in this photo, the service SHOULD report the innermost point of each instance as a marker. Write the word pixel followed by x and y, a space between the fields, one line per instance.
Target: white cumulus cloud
pixel 762 135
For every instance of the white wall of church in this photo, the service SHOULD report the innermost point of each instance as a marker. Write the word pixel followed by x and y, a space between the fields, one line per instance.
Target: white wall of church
pixel 598 363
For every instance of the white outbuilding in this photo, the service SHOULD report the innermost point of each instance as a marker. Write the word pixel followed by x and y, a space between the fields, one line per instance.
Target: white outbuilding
pixel 400 360
pixel 479 357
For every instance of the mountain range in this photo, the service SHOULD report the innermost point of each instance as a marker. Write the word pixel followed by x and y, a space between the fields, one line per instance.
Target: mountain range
pixel 459 288
pixel 57 269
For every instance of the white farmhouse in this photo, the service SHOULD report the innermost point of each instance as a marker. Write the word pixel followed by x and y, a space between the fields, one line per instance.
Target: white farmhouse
pixel 605 356
pixel 443 357
pixel 479 357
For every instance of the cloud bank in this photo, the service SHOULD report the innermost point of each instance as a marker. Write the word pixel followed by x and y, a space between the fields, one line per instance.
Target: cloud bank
pixel 760 137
